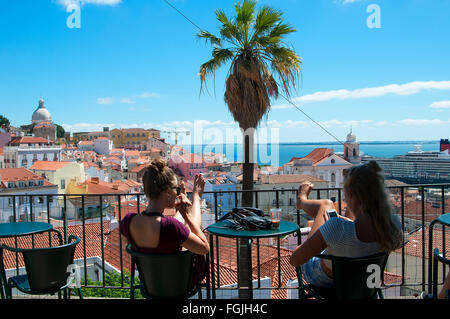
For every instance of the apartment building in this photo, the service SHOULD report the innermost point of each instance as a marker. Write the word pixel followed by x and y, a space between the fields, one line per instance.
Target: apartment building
pixel 133 137
pixel 18 183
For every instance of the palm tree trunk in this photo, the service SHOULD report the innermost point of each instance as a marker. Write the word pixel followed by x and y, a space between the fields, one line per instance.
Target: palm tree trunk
pixel 247 201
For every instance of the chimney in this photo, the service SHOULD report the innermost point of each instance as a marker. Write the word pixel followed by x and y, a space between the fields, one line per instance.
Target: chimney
pixel 115 187
pixel 94 180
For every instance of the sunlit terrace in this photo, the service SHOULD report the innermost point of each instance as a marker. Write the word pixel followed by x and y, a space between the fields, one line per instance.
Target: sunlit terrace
pixel 105 265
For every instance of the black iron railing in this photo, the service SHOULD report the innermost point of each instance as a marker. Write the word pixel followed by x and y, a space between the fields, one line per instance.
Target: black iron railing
pixel 82 211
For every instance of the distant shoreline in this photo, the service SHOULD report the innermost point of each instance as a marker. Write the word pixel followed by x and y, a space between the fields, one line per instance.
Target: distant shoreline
pixel 328 143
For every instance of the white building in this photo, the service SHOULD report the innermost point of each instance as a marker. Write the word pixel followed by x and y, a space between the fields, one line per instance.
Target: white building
pixel 321 163
pixel 102 146
pixel 86 146
pixel 24 151
pixel 16 184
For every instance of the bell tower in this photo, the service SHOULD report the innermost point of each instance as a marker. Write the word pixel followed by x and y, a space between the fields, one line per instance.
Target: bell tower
pixel 351 149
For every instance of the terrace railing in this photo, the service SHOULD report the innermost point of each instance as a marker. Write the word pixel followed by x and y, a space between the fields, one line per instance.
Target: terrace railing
pixel 95 218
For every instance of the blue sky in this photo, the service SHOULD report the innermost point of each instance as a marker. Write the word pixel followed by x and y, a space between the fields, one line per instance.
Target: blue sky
pixel 134 63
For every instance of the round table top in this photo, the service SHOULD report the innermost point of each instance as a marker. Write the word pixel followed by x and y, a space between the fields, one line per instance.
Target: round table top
pixel 220 229
pixel 23 228
pixel 445 219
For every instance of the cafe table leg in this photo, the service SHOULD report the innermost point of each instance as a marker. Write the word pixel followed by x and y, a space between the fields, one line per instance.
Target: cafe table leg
pixel 250 281
pixel 211 253
pixel 2 275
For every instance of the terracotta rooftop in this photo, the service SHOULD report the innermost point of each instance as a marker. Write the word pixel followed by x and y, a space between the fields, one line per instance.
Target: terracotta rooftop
pixel 48 165
pixel 19 174
pixel 15 141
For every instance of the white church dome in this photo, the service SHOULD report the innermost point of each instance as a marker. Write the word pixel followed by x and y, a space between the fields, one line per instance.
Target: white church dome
pixel 41 114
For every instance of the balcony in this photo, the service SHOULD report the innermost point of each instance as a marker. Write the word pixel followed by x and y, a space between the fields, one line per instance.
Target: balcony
pixel 105 265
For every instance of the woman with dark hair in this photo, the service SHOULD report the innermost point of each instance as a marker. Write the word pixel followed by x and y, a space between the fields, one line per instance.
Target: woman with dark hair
pixel 368 227
pixel 153 232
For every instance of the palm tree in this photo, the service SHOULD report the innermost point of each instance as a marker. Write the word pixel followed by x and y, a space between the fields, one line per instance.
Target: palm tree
pixel 253 42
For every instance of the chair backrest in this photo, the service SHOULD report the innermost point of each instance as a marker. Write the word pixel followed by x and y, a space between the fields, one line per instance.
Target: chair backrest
pixel 357 278
pixel 47 267
pixel 164 275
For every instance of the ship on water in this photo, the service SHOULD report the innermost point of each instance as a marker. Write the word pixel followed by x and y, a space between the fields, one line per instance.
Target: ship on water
pixel 417 166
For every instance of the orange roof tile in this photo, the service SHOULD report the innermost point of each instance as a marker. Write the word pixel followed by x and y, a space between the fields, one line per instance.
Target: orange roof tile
pixel 27 140
pixel 17 174
pixel 48 165
pixel 318 154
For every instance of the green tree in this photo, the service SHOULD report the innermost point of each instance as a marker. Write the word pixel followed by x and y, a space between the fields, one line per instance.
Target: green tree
pixel 60 132
pixel 253 43
pixel 4 122
pixel 112 279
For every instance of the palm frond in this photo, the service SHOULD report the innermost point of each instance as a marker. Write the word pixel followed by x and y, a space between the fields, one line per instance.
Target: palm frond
pixel 258 57
pixel 209 37
pixel 265 21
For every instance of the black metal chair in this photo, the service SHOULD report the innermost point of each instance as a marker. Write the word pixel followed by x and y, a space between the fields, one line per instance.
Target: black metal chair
pixel 438 258
pixel 47 269
pixel 444 220
pixel 163 275
pixel 353 278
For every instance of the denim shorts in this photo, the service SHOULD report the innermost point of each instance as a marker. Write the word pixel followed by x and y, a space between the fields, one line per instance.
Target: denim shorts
pixel 313 274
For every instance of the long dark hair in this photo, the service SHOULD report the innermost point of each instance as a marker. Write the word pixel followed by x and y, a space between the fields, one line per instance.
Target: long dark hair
pixel 366 184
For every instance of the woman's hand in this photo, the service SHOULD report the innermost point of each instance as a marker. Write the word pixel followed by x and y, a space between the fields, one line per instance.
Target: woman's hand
pixel 199 185
pixel 182 203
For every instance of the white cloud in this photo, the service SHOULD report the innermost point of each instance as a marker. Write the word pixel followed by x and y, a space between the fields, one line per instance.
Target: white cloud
pixel 440 105
pixel 346 1
pixel 416 122
pixel 105 100
pixel 126 100
pixel 69 3
pixel 147 95
pixel 371 92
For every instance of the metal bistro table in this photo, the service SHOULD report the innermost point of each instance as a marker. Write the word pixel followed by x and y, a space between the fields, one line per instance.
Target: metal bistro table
pixel 219 229
pixel 19 229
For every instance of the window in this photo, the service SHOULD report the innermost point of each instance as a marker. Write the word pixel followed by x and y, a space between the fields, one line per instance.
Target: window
pixel 40 183
pixel 128 134
pixel 31 183
pixel 21 184
pixel 333 161
pixel 113 136
pixel 63 183
pixel 333 177
pixel 132 134
pixel 138 135
pixel 11 185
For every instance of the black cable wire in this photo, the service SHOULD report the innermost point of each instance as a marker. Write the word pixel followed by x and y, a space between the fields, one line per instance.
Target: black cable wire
pixel 173 7
pixel 289 101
